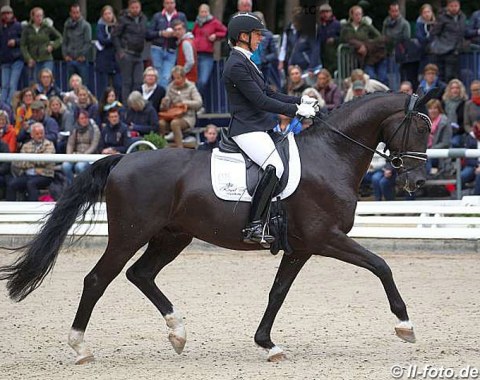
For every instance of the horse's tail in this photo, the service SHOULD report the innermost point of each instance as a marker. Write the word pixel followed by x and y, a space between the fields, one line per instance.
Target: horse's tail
pixel 39 255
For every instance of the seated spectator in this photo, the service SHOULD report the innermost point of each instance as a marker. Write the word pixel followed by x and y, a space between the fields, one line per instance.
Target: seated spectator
pixel 180 92
pixel 4 169
pixel 83 140
pixel 406 87
pixel 150 90
pixel 140 117
pixel 211 138
pixel 46 84
pixel 86 101
pixel 453 102
pixel 59 112
pixel 471 166
pixel 23 111
pixel 313 93
pixel 381 176
pixel 114 135
pixel 358 89
pixel 7 132
pixel 371 85
pixel 440 134
pixel 108 101
pixel 32 176
pixel 430 80
pixel 368 43
pixel 330 92
pixel 49 125
pixel 472 107
pixel 74 83
pixel 42 98
pixel 295 83
pixel 8 109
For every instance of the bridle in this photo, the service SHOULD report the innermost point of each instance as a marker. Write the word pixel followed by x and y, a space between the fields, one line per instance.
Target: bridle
pixel 396 159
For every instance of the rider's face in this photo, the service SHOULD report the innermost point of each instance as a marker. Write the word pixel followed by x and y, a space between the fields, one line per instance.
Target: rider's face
pixel 256 39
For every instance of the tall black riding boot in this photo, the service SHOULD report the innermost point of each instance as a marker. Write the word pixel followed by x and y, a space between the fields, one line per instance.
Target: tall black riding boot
pixel 254 231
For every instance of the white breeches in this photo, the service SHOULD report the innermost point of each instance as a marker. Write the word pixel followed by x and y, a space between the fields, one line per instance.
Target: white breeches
pixel 261 149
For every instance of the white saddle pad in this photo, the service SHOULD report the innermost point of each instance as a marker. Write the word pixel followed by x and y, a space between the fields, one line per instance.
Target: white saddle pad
pixel 229 177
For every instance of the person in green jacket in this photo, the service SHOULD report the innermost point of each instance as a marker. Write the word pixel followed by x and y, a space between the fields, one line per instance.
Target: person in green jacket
pixel 39 39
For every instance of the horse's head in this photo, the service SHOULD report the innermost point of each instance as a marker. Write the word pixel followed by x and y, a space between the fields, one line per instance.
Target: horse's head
pixel 406 139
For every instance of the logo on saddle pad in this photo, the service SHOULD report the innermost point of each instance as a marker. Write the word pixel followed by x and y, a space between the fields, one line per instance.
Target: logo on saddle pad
pixel 232 180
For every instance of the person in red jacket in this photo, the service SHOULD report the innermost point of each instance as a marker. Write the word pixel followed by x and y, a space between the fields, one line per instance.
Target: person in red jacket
pixel 206 31
pixel 7 132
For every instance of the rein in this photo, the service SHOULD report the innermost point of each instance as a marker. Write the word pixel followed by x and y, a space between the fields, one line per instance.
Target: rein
pixel 395 158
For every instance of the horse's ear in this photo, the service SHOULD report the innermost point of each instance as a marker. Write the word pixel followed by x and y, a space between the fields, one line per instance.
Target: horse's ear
pixel 432 94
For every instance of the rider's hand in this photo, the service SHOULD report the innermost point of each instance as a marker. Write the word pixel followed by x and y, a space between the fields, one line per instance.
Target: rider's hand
pixel 305 110
pixel 312 101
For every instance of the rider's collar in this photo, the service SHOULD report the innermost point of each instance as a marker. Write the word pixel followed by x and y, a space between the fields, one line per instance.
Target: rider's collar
pixel 245 52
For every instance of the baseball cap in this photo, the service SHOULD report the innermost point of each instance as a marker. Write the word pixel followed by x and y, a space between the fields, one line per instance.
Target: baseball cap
pixel 358 85
pixel 325 7
pixel 37 105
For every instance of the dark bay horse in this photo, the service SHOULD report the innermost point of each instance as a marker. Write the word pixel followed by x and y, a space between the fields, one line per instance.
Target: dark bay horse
pixel 164 199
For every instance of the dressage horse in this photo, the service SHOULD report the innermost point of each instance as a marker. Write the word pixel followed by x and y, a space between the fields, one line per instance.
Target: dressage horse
pixel 164 198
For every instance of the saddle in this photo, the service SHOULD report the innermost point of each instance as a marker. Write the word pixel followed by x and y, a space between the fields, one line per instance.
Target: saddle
pixel 253 171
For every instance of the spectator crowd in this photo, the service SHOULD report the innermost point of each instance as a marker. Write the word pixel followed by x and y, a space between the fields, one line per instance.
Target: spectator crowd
pixel 164 94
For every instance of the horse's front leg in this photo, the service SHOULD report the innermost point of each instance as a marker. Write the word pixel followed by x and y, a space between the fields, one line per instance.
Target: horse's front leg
pixel 287 272
pixel 346 249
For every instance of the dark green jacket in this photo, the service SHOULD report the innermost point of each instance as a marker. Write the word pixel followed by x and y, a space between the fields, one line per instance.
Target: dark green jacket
pixel 34 44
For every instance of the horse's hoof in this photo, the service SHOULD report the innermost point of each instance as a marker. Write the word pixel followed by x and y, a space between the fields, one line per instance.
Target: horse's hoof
pixel 84 359
pixel 404 331
pixel 178 342
pixel 276 354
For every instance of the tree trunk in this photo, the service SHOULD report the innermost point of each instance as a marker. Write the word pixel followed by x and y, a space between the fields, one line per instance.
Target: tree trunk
pixel 83 8
pixel 403 7
pixel 117 5
pixel 289 6
pixel 217 7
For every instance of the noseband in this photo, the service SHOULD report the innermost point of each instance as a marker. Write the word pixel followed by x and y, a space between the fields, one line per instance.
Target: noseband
pixel 395 158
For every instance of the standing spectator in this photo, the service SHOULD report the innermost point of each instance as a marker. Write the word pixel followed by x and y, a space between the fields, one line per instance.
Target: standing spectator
pixel 108 101
pixel 206 31
pixel 244 5
pixel 424 24
pixel 87 102
pixel 39 39
pixel 10 54
pixel 266 57
pixel 430 80
pixel 8 108
pixel 472 107
pixel 473 29
pixel 368 43
pixel 330 92
pixel 39 115
pixel 186 52
pixel 447 36
pixel 180 92
pixel 7 132
pixel 370 85
pixel 32 176
pixel 407 52
pixel 76 45
pixel 295 83
pixel 70 98
pixel 211 138
pixel 114 136
pixel 129 41
pixel 140 117
pixel 289 37
pixel 59 112
pixel 83 140
pixel 150 88
pixel 164 43
pixel 46 84
pixel 328 34
pixel 106 66
pixel 23 112
pixel 453 101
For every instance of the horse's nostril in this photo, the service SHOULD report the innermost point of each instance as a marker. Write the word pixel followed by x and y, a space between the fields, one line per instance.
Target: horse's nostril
pixel 420 182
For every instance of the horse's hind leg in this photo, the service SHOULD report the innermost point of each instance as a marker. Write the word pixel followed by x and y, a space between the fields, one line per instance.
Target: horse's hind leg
pixel 286 274
pixel 161 250
pixel 346 249
pixel 94 285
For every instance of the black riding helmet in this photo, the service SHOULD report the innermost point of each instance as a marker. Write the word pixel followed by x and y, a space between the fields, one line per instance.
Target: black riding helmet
pixel 243 22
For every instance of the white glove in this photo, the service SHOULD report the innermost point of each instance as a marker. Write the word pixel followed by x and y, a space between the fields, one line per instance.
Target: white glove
pixel 306 110
pixel 312 101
